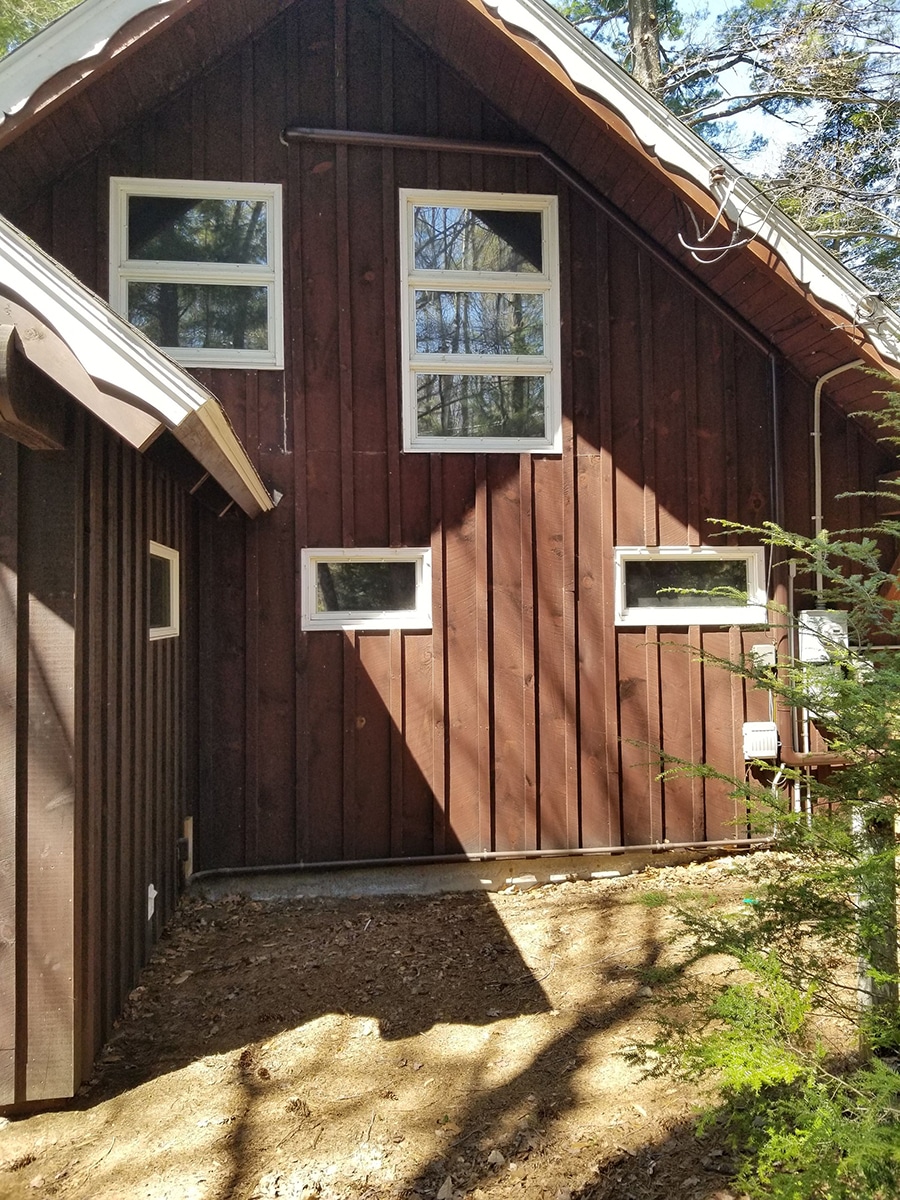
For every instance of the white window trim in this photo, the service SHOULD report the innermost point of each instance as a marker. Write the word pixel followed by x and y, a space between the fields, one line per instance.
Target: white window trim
pixel 123 270
pixel 173 629
pixel 754 612
pixel 547 366
pixel 415 618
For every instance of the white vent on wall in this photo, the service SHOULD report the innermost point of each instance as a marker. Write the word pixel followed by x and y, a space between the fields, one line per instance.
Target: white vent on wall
pixel 760 740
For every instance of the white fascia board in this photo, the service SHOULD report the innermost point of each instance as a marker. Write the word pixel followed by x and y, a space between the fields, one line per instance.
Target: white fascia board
pixel 77 36
pixel 682 152
pixel 115 355
pixel 123 364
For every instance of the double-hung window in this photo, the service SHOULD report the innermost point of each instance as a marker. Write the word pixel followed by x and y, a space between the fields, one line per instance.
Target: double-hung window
pixel 480 322
pixel 196 266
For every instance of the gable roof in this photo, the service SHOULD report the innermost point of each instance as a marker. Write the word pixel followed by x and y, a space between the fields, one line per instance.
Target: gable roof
pixel 783 283
pixel 684 154
pixel 101 360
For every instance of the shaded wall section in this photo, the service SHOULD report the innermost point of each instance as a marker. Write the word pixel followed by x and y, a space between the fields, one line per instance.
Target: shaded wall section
pixel 98 761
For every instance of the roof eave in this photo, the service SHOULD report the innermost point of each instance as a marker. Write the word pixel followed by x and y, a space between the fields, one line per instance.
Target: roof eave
pixel 684 155
pixel 120 367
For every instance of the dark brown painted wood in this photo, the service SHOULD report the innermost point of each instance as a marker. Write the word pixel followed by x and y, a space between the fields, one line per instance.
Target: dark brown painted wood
pixel 9 763
pixel 525 718
pixel 99 747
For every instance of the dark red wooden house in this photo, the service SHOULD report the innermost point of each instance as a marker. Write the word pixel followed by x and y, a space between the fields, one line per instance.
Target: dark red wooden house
pixel 502 340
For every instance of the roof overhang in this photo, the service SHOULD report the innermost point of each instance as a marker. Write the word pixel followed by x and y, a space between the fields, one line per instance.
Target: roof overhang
pixel 845 321
pixel 703 172
pixel 71 49
pixel 110 368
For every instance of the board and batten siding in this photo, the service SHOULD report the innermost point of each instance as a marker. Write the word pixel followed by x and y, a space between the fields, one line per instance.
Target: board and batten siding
pixel 525 719
pixel 102 762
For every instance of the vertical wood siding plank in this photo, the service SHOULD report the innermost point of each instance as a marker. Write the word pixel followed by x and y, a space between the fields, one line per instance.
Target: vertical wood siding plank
pixel 611 821
pixel 625 349
pixel 106 612
pixel 9 753
pixel 296 405
pixel 691 421
pixel 508 675
pixel 390 332
pixel 729 465
pixel 752 434
pixel 439 719
pixel 251 675
pixel 712 448
pixel 638 726
pixel 464 606
pixel 92 927
pixel 591 391
pixel 551 602
pixel 48 517
pixel 275 682
pixel 570 550
pixel 220 831
pixel 420 750
pixel 720 735
pixel 484 664
pixel 680 707
pixel 599 804
pixel 364 79
pixel 139 636
pixel 396 741
pixel 323 746
pixel 669 415
pixel 349 765
pixel 648 402
pixel 368 819
pixel 529 653
pixel 411 742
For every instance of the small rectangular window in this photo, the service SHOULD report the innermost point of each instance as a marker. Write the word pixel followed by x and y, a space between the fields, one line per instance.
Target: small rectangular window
pixel 480 322
pixel 196 266
pixel 163 592
pixel 697 585
pixel 366 589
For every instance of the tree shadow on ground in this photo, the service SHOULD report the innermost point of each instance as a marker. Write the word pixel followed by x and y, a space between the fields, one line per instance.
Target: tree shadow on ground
pixel 373 1048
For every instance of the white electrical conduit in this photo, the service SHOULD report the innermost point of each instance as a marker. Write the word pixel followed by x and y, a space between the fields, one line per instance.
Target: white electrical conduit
pixel 817 458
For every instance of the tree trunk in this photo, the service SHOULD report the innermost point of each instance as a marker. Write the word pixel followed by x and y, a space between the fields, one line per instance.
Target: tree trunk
pixel 878 929
pixel 643 25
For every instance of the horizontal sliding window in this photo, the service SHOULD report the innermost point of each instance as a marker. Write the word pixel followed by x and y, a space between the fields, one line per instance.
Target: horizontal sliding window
pixel 366 589
pixel 196 266
pixel 702 585
pixel 480 326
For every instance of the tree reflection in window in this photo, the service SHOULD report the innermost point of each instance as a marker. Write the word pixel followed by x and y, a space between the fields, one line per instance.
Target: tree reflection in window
pixel 450 238
pixel 686 583
pixel 480 405
pixel 365 586
pixel 173 229
pixel 480 322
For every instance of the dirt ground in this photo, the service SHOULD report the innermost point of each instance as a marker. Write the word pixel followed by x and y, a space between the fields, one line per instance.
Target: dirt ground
pixel 464 1046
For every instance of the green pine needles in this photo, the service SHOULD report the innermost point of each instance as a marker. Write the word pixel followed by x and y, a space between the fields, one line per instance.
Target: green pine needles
pixel 801 1032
